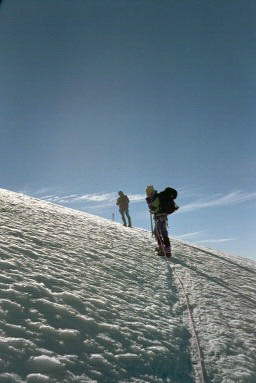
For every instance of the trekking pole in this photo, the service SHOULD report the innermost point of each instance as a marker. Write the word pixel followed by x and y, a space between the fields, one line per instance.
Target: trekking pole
pixel 151 223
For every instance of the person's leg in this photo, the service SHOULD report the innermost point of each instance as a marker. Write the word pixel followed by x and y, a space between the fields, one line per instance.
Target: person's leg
pixel 157 233
pixel 123 217
pixel 128 217
pixel 164 235
pixel 163 230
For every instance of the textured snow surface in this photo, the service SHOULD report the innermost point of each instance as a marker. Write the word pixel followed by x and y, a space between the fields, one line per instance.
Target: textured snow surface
pixel 83 299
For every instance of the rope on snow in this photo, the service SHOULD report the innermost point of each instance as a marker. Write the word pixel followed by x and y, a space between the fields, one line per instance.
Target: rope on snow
pixel 202 374
pixel 200 358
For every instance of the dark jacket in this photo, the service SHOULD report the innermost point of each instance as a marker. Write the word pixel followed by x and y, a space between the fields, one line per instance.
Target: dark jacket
pixel 123 202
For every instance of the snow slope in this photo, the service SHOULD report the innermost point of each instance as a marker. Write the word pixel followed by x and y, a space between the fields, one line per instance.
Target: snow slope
pixel 83 299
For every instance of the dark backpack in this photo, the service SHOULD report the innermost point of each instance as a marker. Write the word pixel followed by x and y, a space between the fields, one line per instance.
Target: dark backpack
pixel 166 198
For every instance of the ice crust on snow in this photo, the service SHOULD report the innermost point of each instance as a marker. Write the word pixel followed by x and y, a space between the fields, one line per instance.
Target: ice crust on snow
pixel 83 299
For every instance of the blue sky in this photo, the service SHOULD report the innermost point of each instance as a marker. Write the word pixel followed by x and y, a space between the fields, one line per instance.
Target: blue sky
pixel 99 96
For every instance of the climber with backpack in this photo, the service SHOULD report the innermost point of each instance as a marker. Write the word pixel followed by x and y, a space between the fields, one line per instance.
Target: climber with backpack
pixel 160 205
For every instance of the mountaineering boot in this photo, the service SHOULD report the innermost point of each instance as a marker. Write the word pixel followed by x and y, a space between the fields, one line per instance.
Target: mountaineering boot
pixel 159 251
pixel 168 251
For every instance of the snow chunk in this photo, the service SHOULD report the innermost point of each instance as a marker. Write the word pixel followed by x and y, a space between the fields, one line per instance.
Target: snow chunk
pixel 16 345
pixel 10 378
pixel 110 327
pixel 37 378
pixel 45 363
pixel 98 302
pixel 127 356
pixel 5 265
pixel 71 299
pixel 65 333
pixel 46 329
pixel 53 308
pixel 10 305
pixel 68 333
pixel 99 361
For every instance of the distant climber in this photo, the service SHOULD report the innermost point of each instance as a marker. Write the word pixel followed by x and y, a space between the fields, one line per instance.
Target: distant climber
pixel 160 205
pixel 123 203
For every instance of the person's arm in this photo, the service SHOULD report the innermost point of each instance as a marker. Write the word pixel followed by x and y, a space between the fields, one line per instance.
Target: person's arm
pixel 149 201
pixel 155 205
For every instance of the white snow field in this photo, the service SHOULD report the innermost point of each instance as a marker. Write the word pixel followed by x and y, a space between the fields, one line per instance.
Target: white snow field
pixel 84 299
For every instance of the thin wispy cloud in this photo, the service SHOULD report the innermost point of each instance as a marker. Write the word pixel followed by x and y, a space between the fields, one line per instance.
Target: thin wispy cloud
pixel 59 199
pixel 216 240
pixel 93 200
pixel 188 235
pixel 110 197
pixel 102 200
pixel 137 197
pixel 43 191
pixel 225 200
pixel 98 207
pixel 96 197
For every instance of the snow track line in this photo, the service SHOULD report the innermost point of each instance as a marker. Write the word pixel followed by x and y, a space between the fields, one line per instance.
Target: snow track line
pixel 200 358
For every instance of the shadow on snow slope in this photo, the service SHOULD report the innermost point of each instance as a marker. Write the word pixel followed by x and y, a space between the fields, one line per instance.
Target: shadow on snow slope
pixel 222 295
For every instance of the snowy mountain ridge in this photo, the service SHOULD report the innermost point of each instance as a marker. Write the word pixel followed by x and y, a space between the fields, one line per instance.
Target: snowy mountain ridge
pixel 83 299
